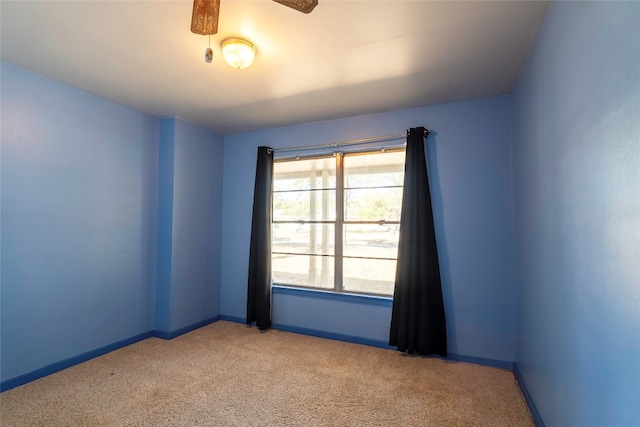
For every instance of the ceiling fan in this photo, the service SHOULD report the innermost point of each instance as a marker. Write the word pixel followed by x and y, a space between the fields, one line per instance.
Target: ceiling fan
pixel 205 13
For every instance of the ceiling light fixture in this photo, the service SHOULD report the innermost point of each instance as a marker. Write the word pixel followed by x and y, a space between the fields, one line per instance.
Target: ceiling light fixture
pixel 238 53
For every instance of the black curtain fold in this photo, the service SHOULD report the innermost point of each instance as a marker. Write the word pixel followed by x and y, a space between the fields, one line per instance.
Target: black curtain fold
pixel 259 283
pixel 417 318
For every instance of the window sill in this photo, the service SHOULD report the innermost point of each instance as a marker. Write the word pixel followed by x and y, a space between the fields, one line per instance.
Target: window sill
pixel 333 296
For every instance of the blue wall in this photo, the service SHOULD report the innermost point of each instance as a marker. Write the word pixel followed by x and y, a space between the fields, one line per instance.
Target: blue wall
pixel 78 222
pixel 189 225
pixel 111 225
pixel 577 210
pixel 470 170
pixel 164 237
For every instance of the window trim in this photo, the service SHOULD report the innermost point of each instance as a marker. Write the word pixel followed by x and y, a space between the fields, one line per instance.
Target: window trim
pixel 307 292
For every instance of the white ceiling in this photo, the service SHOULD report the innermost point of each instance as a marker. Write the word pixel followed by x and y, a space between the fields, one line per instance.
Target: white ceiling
pixel 345 58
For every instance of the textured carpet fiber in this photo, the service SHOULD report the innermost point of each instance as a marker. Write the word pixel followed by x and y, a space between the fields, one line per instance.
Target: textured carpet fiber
pixel 226 374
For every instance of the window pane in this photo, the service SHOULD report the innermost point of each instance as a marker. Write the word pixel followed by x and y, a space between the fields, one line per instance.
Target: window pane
pixel 303 270
pixel 371 240
pixel 316 239
pixel 376 169
pixel 373 204
pixel 369 275
pixel 305 192
pixel 307 174
pixel 318 205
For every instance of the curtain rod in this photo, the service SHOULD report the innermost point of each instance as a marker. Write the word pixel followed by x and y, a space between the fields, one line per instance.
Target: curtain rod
pixel 351 142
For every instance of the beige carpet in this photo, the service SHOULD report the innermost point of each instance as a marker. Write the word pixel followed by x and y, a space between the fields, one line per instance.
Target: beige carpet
pixel 226 374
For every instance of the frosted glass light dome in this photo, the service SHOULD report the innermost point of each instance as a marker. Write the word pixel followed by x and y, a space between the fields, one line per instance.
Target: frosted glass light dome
pixel 238 53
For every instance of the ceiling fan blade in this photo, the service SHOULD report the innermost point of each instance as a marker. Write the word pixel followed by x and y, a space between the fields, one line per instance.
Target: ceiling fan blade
pixel 304 6
pixel 205 16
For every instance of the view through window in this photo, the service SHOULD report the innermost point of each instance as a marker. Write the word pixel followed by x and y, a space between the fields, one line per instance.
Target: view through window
pixel 336 221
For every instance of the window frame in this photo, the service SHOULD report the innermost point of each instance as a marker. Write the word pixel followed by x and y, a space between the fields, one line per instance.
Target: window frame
pixel 338 223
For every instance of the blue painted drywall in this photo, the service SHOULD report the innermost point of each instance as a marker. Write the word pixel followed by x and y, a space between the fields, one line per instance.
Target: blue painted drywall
pixel 470 168
pixel 577 211
pixel 78 222
pixel 362 317
pixel 189 225
pixel 164 236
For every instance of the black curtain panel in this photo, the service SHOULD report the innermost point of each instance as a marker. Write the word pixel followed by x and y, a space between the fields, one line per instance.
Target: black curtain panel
pixel 259 284
pixel 417 320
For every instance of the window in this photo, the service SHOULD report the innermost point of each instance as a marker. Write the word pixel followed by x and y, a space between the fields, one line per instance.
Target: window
pixel 336 221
